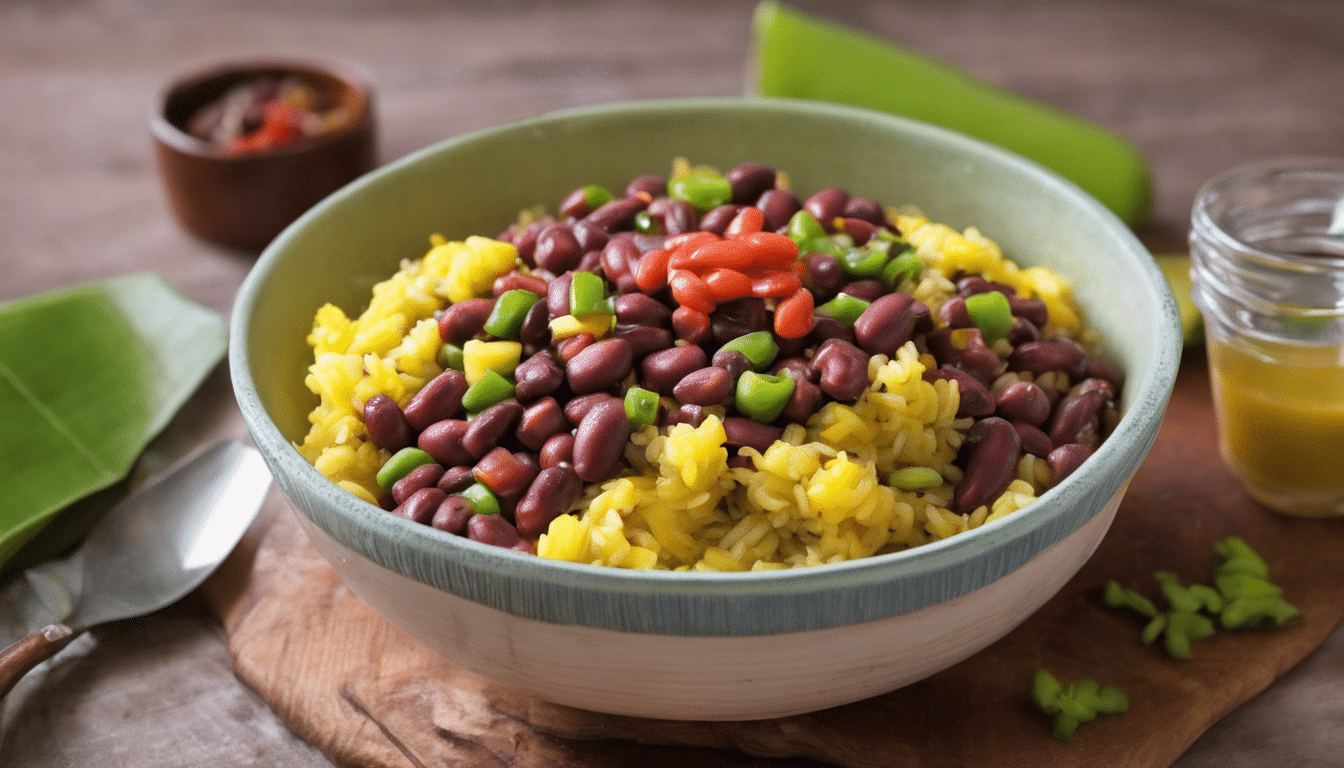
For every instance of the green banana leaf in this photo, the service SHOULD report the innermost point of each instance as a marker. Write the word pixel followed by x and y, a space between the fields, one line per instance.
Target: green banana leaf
pixel 802 57
pixel 89 374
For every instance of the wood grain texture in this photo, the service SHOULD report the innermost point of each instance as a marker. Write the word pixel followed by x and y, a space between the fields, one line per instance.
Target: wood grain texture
pixel 366 695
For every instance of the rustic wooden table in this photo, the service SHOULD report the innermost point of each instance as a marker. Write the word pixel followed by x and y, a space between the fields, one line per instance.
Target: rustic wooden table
pixel 1198 86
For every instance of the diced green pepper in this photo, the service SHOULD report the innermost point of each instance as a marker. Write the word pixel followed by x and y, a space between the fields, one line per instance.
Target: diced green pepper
pixel 641 407
pixel 595 196
pixel 904 266
pixel 701 188
pixel 450 358
pixel 804 228
pixel 867 261
pixel 482 499
pixel 843 307
pixel 400 465
pixel 587 295
pixel 759 347
pixel 915 478
pixel 647 224
pixel 763 397
pixel 991 314
pixel 492 388
pixel 510 309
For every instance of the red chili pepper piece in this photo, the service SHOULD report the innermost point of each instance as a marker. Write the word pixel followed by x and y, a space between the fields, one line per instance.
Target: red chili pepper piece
pixel 733 254
pixel 771 249
pixel 793 316
pixel 651 275
pixel 748 220
pixel 775 284
pixel 726 284
pixel 690 291
pixel 690 324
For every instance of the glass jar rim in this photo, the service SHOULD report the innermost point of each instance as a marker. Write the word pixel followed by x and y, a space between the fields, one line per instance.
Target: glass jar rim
pixel 1212 190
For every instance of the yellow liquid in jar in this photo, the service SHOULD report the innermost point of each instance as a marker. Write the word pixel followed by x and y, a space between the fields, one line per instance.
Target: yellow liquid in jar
pixel 1280 414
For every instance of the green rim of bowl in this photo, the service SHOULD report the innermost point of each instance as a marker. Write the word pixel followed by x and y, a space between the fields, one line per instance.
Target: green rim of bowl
pixel 734 604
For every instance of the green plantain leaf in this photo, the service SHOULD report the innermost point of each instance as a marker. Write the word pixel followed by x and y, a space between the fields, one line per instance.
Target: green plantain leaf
pixel 88 376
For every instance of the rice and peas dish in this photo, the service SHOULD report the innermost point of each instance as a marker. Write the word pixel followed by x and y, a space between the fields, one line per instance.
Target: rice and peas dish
pixel 708 371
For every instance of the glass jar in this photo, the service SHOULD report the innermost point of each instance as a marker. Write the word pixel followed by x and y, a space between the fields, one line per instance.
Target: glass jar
pixel 1267 253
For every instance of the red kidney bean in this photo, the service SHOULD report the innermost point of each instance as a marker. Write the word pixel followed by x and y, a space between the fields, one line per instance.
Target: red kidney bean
pixel 440 399
pixel 537 376
pixel 841 369
pixel 991 463
pixel 568 348
pixel 732 361
pixel 952 313
pixel 738 318
pixel 643 339
pixel 743 432
pixel 1089 384
pixel 792 347
pixel 1034 441
pixel 452 515
pixel 536 330
pixel 559 449
pixel 578 407
pixel 465 319
pixel 600 440
pixel 826 273
pixel 641 309
pixel 423 476
pixel 443 441
pixel 778 205
pixel 797 368
pixel 686 414
pixel 489 427
pixel 516 280
pixel 827 204
pixel 861 231
pixel 575 204
pixel 495 530
pixel 707 386
pixel 616 215
pixel 557 295
pixel 539 422
pixel 619 258
pixel 868 290
pixel 1065 459
pixel 972 285
pixel 1098 366
pixel 1023 331
pixel 526 241
pixel 660 371
pixel 1076 418
pixel 549 496
pixel 923 316
pixel 386 424
pixel 1054 354
pixel 419 507
pixel 824 328
pixel 865 208
pixel 885 325
pixel 975 399
pixel 974 357
pixel 749 181
pixel 738 461
pixel 679 219
pixel 504 473
pixel 1023 401
pixel 589 236
pixel 456 479
pixel 1032 310
pixel 717 219
pixel 804 401
pixel 599 366
pixel 691 325
pixel 646 242
pixel 557 249
pixel 659 207
pixel 650 184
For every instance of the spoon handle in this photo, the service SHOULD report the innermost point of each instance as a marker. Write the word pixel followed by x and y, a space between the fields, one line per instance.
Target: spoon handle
pixel 37 647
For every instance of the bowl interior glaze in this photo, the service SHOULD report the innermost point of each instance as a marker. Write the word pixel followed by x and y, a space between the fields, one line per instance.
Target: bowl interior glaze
pixel 475 184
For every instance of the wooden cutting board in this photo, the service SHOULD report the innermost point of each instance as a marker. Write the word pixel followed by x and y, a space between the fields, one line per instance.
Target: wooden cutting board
pixel 363 693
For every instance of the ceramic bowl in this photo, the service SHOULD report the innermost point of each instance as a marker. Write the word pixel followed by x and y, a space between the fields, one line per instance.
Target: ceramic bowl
pixel 700 645
pixel 245 200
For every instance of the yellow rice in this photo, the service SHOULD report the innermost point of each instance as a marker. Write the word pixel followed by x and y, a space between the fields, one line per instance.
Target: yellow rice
pixel 811 498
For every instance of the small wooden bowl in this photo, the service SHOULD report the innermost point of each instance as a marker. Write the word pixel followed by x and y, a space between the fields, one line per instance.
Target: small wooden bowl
pixel 245 200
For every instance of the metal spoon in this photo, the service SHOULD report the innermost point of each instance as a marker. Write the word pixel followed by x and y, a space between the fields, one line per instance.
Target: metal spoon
pixel 146 552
